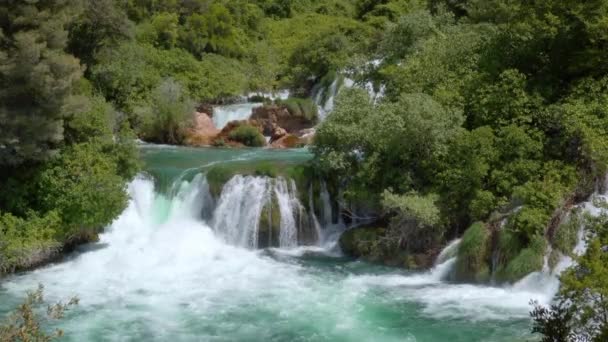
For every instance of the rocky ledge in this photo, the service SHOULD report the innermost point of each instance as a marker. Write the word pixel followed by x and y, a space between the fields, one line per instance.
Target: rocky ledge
pixel 279 125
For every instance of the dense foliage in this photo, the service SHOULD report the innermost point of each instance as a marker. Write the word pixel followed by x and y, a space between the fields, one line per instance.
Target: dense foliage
pixel 493 111
pixel 65 152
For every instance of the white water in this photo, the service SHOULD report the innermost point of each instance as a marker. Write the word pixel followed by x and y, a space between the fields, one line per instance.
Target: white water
pixel 222 115
pixel 324 98
pixel 288 205
pixel 279 95
pixel 237 216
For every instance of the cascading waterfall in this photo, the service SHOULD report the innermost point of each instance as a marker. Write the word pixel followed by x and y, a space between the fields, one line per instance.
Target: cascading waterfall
pixel 289 205
pixel 222 115
pixel 313 216
pixel 448 252
pixel 547 280
pixel 326 208
pixel 245 199
pixel 237 215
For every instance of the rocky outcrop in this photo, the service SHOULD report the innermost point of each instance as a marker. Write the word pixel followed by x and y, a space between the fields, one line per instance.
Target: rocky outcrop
pixel 226 138
pixel 287 141
pixel 202 131
pixel 271 117
pixel 286 128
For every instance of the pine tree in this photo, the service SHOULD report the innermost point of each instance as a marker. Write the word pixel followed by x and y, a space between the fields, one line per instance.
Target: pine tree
pixel 36 77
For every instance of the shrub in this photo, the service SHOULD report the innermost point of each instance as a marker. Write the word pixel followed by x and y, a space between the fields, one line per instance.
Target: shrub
pixel 165 121
pixel 25 324
pixel 248 136
pixel 26 242
pixel 84 187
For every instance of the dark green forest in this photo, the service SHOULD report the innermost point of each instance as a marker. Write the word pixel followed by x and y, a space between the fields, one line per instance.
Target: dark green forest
pixel 492 109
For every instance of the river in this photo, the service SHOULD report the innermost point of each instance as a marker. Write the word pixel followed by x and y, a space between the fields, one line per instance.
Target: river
pixel 161 272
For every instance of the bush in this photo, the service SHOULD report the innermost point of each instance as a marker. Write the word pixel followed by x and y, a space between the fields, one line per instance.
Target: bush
pixel 248 136
pixel 26 242
pixel 84 186
pixel 166 119
pixel 25 324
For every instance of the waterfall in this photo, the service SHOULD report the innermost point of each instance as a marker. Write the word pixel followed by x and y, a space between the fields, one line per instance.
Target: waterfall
pixel 279 95
pixel 237 215
pixel 222 115
pixel 313 216
pixel 246 201
pixel 326 201
pixel 288 204
pixel 547 280
pixel 324 98
pixel 448 252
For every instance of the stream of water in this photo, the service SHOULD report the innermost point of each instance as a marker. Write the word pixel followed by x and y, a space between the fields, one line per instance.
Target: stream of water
pixel 162 271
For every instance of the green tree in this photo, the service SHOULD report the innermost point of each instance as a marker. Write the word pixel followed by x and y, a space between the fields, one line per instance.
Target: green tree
pixel 165 121
pixel 101 23
pixel 36 77
pixel 83 185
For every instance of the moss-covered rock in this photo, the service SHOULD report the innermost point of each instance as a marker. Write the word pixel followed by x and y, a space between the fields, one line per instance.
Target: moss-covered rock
pixel 269 224
pixel 566 234
pixel 363 242
pixel 474 254
pixel 370 243
pixel 219 175
pixel 529 260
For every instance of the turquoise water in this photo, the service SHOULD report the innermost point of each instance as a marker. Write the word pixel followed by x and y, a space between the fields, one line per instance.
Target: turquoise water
pixel 161 273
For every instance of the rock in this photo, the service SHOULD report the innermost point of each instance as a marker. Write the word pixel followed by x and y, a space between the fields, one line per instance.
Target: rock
pixel 270 116
pixel 202 132
pixel 287 141
pixel 205 108
pixel 269 224
pixel 278 133
pixel 307 136
pixel 223 138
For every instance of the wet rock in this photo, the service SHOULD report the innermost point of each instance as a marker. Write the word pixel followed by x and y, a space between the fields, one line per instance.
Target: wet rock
pixel 287 141
pixel 202 131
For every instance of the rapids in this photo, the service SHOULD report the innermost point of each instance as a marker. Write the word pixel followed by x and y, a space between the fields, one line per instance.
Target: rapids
pixel 174 266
